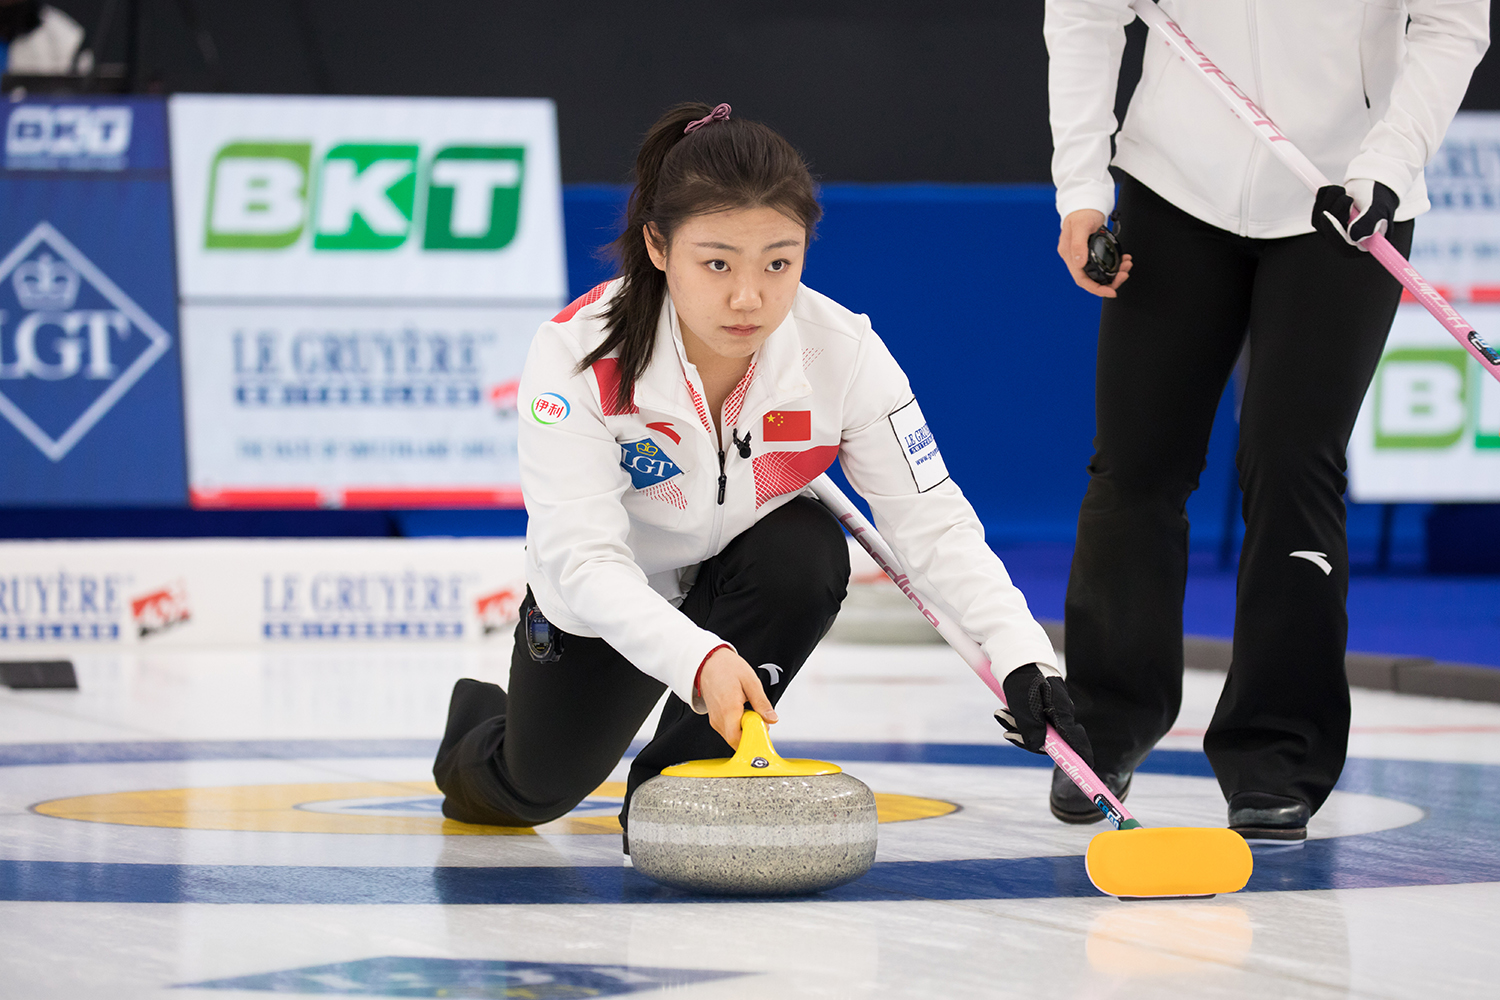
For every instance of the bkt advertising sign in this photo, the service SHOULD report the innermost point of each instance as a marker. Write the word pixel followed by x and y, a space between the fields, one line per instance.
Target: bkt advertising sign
pixel 368 199
pixel 258 196
pixel 361 279
pixel 1429 429
pixel 48 136
pixel 90 393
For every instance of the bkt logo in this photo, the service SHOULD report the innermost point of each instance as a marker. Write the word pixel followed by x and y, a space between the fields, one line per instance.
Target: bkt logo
pixel 1433 398
pixel 68 136
pixel 71 342
pixel 365 196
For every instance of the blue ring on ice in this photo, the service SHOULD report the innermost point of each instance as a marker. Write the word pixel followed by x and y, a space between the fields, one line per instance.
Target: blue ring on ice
pixel 1453 844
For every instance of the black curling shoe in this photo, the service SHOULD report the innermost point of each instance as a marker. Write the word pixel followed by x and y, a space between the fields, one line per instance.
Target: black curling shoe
pixel 1071 806
pixel 1263 818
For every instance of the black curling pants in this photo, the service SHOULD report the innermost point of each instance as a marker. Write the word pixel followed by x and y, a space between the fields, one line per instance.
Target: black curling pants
pixel 1316 323
pixel 531 754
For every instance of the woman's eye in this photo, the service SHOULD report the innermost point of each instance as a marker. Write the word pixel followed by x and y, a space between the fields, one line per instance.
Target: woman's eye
pixel 779 265
pixel 717 265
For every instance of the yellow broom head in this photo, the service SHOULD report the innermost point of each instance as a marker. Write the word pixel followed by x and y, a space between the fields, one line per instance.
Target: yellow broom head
pixel 1168 861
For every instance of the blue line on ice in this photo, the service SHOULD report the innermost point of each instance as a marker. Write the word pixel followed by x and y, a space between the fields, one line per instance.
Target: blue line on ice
pixel 1454 844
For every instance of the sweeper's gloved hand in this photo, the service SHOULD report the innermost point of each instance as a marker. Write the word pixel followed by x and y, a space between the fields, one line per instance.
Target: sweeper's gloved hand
pixel 1034 699
pixel 728 685
pixel 1350 214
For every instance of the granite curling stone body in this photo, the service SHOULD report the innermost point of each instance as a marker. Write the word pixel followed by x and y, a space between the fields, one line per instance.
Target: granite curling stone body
pixel 754 824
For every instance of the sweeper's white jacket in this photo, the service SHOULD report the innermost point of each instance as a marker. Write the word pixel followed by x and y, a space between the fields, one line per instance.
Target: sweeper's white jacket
pixel 624 505
pixel 1355 88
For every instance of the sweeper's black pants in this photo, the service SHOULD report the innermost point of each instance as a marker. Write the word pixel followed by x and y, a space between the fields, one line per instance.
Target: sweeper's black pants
pixel 1316 323
pixel 531 754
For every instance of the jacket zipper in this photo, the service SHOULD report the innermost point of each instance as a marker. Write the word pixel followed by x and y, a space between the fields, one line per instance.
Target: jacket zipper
pixel 718 527
pixel 743 447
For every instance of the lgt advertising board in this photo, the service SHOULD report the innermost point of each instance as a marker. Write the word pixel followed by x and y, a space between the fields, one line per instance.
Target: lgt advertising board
pixel 90 383
pixel 360 280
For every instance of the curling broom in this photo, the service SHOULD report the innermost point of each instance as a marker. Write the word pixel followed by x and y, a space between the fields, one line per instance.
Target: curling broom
pixel 1247 111
pixel 1130 861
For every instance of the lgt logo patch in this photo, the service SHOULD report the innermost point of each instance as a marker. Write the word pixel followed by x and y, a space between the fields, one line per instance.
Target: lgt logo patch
pixel 71 342
pixel 646 464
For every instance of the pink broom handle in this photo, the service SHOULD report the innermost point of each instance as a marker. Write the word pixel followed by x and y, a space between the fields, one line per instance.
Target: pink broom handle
pixel 1250 113
pixel 1065 756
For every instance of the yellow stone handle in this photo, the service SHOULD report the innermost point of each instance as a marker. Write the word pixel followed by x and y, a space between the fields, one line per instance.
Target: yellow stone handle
pixel 755 758
pixel 755 740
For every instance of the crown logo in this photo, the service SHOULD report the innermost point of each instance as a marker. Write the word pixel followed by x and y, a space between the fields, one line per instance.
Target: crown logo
pixel 46 284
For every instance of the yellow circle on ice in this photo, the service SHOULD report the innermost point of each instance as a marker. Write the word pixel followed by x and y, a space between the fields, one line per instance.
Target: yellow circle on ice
pixel 380 807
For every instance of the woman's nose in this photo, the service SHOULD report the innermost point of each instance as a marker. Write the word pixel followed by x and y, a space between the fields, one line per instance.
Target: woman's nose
pixel 746 297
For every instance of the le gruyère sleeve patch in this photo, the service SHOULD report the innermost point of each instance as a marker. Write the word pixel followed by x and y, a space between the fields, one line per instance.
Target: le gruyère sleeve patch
pixel 918 446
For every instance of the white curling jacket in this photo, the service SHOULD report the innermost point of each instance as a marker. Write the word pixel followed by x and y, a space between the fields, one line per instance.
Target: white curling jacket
pixel 1358 91
pixel 623 506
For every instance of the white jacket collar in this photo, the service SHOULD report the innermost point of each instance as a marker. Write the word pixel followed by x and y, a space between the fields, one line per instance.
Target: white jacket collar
pixel 779 373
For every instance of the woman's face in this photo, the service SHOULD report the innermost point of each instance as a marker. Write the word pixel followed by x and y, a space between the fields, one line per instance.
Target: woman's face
pixel 732 276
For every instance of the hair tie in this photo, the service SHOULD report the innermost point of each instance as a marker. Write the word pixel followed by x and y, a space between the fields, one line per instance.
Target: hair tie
pixel 719 114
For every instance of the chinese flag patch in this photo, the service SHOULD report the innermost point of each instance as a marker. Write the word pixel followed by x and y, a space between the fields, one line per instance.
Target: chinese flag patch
pixel 786 425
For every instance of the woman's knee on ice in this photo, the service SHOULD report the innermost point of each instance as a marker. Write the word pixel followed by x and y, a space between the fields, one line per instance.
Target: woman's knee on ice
pixel 534 804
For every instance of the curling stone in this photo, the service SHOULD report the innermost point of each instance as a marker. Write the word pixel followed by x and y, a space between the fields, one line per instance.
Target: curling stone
pixel 755 824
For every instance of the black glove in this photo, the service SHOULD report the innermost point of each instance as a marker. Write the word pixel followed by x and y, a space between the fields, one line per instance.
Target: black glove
pixel 1333 209
pixel 1034 699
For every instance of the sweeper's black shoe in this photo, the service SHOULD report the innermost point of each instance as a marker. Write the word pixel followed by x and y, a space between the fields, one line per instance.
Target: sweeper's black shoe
pixel 1264 818
pixel 1072 806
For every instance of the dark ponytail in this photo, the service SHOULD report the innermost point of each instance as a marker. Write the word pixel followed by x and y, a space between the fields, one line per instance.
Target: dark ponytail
pixel 722 166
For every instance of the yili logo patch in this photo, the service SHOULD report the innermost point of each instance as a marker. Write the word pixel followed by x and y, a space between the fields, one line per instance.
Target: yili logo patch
pixel 71 342
pixel 550 408
pixel 646 463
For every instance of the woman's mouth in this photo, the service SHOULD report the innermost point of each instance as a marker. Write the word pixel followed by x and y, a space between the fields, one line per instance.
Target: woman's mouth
pixel 740 331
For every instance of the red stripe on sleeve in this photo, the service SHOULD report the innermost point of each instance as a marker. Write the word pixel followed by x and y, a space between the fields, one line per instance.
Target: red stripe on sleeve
pixel 588 298
pixel 607 374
